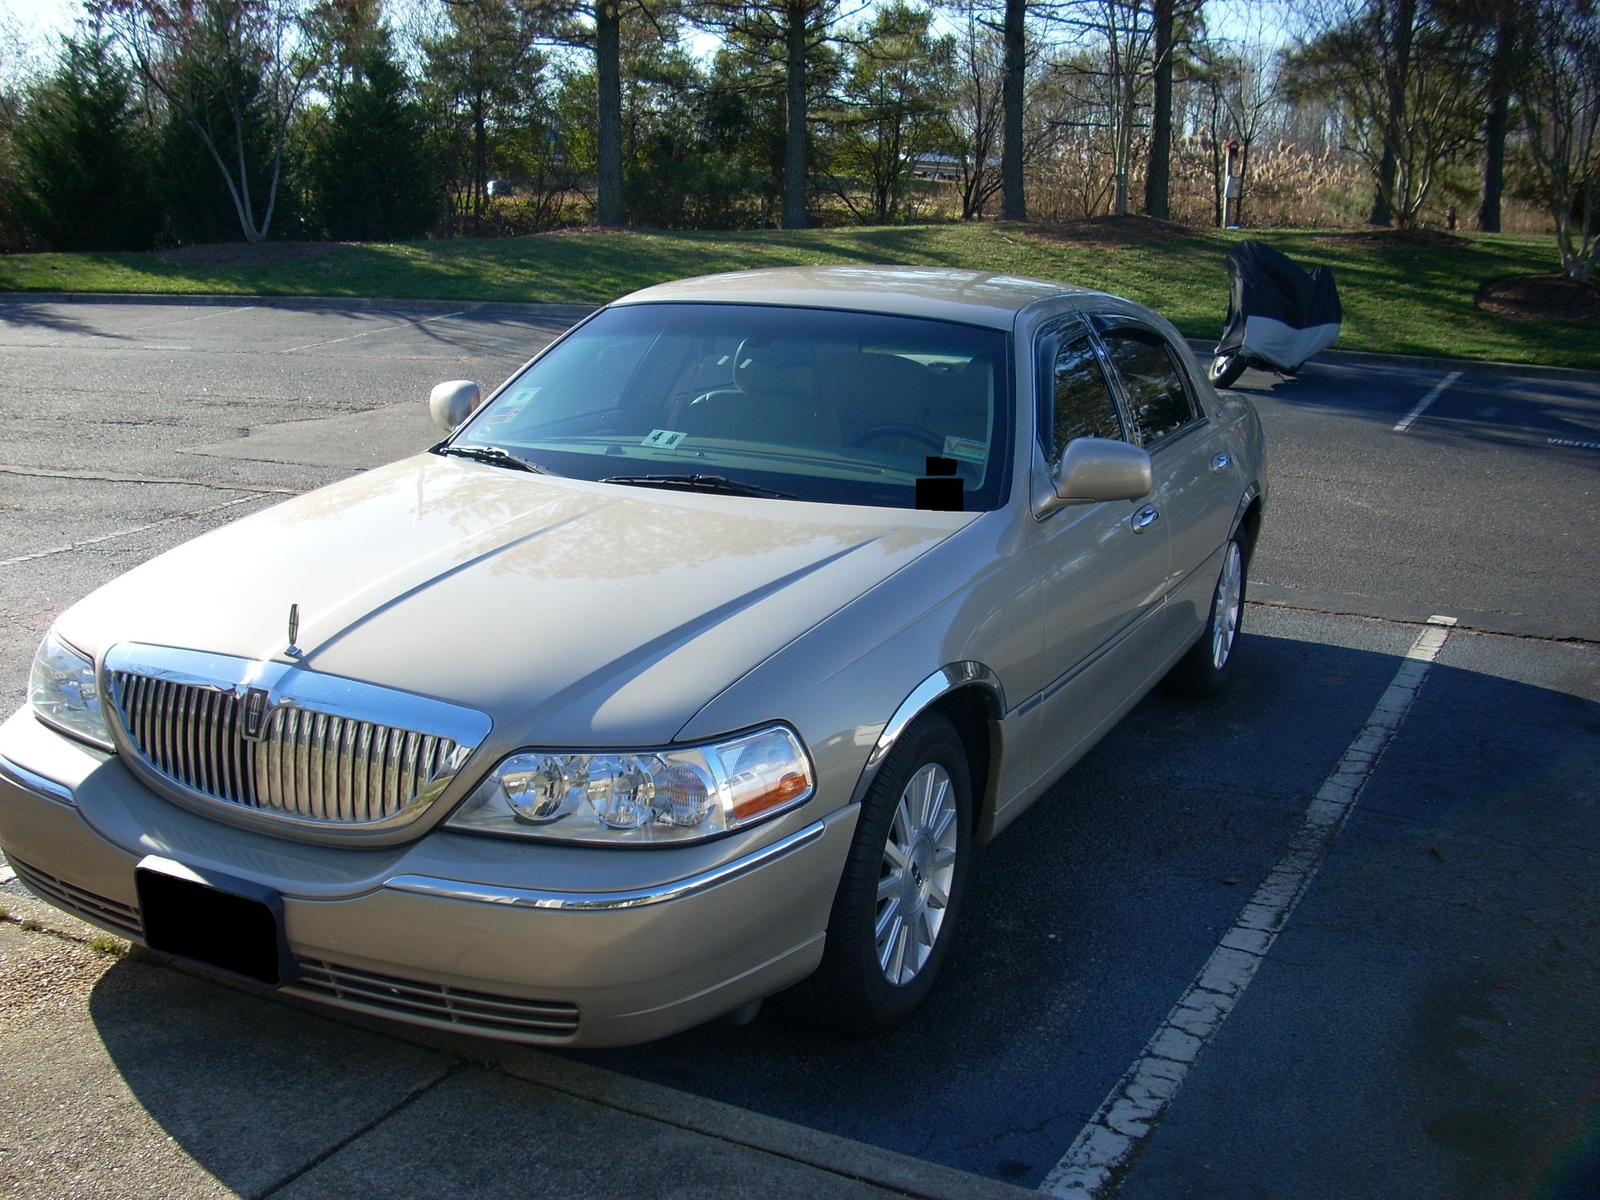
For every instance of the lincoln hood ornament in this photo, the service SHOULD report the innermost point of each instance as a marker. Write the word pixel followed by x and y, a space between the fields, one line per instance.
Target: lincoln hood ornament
pixel 292 650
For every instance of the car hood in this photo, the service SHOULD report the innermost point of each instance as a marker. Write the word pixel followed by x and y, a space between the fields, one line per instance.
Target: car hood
pixel 572 613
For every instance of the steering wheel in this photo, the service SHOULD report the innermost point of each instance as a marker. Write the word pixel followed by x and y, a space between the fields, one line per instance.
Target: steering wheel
pixel 893 429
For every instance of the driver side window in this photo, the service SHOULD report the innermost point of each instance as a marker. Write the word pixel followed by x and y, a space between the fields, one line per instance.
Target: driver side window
pixel 1082 402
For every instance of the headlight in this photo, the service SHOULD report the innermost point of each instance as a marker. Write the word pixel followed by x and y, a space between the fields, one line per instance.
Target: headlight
pixel 64 694
pixel 672 795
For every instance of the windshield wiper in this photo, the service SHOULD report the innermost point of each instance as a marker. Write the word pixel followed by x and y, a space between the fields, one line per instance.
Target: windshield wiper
pixel 493 456
pixel 700 483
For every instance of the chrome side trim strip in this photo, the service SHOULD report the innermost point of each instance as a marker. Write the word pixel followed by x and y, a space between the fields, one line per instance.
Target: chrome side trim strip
pixel 482 893
pixel 39 785
pixel 1106 647
pixel 945 679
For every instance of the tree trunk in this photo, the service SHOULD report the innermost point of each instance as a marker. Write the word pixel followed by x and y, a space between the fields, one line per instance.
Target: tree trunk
pixel 608 78
pixel 794 145
pixel 1494 128
pixel 1380 214
pixel 480 165
pixel 1157 177
pixel 1013 205
pixel 1397 75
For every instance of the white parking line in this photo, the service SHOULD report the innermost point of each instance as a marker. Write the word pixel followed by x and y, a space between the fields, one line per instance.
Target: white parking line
pixel 370 332
pixel 1127 1117
pixel 1422 404
pixel 106 537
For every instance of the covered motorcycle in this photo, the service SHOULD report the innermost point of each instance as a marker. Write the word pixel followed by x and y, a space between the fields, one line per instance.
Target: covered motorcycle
pixel 1278 315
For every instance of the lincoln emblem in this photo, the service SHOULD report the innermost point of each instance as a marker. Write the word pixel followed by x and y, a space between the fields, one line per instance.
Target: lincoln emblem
pixel 293 651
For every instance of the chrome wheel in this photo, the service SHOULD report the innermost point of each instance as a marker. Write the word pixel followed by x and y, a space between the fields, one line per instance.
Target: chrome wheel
pixel 919 862
pixel 1225 608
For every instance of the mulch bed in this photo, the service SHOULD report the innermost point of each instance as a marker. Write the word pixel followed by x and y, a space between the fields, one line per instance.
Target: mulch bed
pixel 1399 239
pixel 246 254
pixel 1541 298
pixel 1131 230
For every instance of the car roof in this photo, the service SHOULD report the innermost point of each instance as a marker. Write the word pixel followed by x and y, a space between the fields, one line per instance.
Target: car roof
pixel 938 293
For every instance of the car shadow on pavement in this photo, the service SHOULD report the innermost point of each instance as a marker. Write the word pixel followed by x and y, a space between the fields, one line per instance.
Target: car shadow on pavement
pixel 1085 921
pixel 24 314
pixel 1090 916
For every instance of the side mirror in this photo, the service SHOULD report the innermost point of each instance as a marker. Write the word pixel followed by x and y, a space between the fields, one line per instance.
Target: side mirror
pixel 452 403
pixel 1097 469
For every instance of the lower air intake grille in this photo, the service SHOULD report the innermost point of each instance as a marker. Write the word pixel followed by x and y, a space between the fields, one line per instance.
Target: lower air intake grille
pixel 503 1015
pixel 96 909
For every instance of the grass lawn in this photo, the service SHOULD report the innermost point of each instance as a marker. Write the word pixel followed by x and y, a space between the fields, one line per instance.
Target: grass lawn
pixel 1397 298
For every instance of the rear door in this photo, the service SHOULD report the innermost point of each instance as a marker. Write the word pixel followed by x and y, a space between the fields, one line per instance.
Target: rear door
pixel 1197 480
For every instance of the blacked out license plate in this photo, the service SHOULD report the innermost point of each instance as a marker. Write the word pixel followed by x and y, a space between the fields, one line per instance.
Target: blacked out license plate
pixel 231 924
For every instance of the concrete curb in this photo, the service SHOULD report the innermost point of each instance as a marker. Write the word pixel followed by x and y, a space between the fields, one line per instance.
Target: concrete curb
pixel 1202 347
pixel 562 312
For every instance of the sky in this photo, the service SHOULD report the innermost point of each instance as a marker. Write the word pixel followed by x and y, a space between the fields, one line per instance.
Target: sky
pixel 28 28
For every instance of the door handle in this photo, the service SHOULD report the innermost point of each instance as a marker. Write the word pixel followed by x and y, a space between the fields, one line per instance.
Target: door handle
pixel 1145 517
pixel 1222 462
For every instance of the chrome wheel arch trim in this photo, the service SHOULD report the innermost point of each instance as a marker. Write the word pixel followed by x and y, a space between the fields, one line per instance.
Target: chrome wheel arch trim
pixel 1250 496
pixel 449 889
pixel 966 673
pixel 945 679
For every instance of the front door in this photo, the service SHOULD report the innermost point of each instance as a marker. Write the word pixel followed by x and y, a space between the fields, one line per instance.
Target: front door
pixel 1101 567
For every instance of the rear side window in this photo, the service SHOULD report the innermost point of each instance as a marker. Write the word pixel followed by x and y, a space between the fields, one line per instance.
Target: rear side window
pixel 1159 402
pixel 1083 404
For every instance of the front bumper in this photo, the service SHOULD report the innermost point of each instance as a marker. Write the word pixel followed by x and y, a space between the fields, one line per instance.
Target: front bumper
pixel 550 944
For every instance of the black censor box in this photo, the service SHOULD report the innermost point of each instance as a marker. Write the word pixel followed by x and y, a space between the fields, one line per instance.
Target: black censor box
pixel 941 489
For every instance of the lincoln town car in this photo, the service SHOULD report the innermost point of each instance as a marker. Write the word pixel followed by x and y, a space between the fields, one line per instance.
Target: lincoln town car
pixel 694 664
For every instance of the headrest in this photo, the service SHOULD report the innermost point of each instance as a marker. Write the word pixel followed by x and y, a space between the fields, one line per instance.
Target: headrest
pixel 772 363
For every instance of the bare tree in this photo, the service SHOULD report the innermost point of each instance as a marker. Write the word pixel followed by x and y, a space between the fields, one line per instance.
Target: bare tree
pixel 1560 98
pixel 1396 71
pixel 1119 37
pixel 975 107
pixel 215 64
pixel 1504 29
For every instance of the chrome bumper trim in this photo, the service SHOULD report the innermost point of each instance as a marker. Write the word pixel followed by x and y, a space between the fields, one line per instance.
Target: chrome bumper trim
pixel 449 889
pixel 39 785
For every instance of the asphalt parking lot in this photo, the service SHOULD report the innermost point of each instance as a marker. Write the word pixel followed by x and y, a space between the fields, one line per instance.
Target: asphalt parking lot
pixel 1427 1023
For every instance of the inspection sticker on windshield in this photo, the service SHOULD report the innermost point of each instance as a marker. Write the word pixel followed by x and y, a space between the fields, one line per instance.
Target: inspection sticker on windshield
pixel 504 415
pixel 966 449
pixel 663 439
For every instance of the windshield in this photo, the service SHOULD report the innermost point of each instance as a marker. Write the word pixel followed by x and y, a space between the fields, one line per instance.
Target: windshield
pixel 812 404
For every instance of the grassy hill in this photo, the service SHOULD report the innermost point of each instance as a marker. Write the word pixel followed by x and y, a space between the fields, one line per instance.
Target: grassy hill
pixel 1410 295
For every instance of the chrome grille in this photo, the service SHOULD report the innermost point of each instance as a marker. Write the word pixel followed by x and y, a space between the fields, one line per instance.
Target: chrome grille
pixel 507 1016
pixel 311 765
pixel 101 910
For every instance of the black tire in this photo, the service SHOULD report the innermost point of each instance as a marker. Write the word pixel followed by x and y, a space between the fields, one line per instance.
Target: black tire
pixel 1226 369
pixel 851 990
pixel 1206 668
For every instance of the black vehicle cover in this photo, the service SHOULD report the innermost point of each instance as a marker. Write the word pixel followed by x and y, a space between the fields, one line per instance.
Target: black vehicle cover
pixel 1277 313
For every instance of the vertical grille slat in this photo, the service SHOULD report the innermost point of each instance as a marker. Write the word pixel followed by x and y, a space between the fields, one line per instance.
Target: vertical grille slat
pixel 306 764
pixel 186 741
pixel 358 773
pixel 211 777
pixel 347 769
